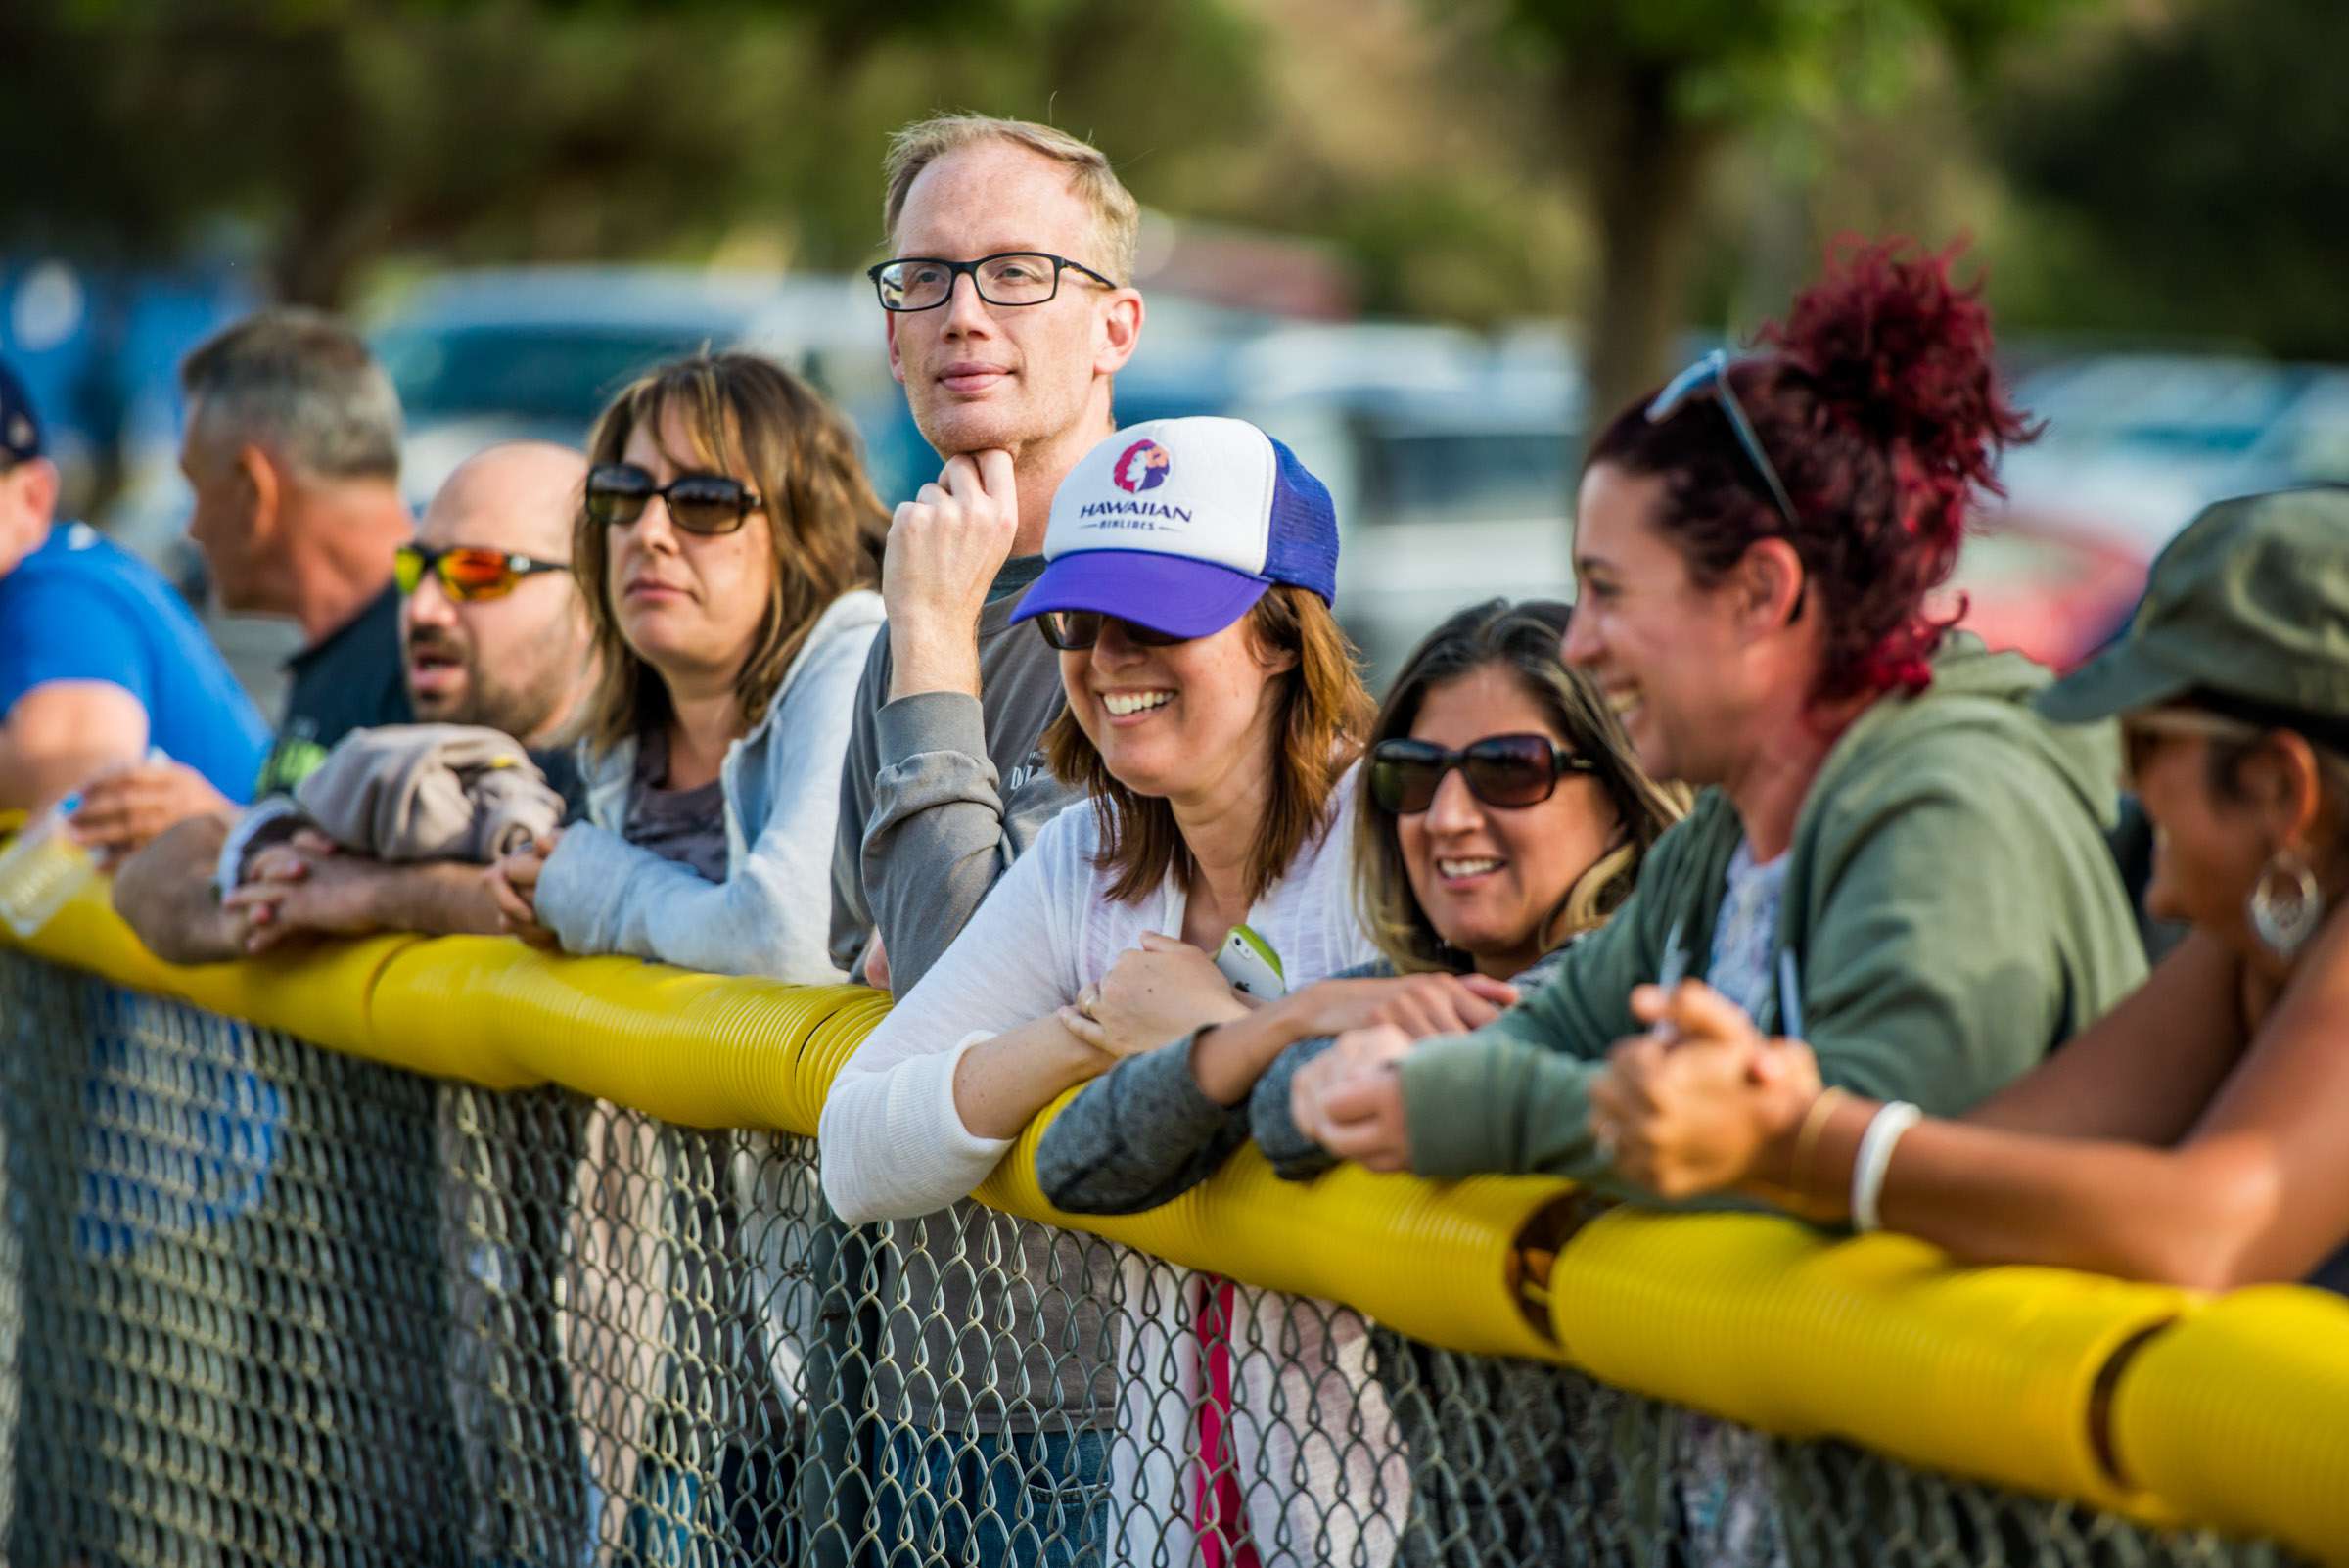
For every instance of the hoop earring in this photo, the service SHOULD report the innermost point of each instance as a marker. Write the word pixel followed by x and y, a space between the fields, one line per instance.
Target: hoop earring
pixel 2285 904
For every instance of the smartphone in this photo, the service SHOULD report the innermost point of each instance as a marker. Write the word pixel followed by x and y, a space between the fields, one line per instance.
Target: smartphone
pixel 1249 962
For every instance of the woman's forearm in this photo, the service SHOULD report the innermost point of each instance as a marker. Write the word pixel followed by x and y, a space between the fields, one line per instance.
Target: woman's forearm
pixel 1227 1059
pixel 2191 1215
pixel 910 1135
pixel 1000 1084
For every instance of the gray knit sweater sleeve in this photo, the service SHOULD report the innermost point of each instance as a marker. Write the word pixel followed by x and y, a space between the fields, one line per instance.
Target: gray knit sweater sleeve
pixel 1141 1136
pixel 1144 1133
pixel 1293 1156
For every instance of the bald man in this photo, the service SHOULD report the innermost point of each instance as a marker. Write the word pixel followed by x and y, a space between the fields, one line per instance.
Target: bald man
pixel 491 632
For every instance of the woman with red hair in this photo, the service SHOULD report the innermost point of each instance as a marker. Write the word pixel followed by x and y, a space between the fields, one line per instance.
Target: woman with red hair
pixel 1893 856
pixel 1892 850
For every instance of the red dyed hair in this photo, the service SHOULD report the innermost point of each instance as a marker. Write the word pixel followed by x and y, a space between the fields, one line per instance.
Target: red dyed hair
pixel 1879 404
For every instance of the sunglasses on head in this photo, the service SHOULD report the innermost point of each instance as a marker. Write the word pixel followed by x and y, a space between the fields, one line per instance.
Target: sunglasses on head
pixel 699 504
pixel 1075 630
pixel 467 573
pixel 1508 772
pixel 1714 371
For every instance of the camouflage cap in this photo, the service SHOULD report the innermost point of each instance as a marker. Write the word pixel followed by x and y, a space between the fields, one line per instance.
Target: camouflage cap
pixel 20 428
pixel 2250 603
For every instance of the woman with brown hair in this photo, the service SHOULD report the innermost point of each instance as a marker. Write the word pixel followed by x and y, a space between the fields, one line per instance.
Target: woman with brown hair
pixel 1214 718
pixel 727 549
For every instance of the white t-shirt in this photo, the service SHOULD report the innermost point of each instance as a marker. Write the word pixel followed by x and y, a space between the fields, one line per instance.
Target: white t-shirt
pixel 893 1144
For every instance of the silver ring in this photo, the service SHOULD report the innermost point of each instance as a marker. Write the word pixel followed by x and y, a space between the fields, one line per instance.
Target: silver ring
pixel 1088 999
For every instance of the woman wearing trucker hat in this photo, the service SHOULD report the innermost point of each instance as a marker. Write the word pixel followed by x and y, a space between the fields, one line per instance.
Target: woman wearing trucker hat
pixel 1214 718
pixel 2192 1136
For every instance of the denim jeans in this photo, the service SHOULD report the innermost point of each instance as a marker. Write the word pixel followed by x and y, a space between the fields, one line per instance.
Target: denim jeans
pixel 1014 1500
pixel 678 1520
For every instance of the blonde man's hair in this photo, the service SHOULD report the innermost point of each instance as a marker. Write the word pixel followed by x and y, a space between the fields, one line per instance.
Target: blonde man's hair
pixel 1117 220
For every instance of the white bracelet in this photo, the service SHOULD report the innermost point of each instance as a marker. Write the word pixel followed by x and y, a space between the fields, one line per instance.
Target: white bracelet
pixel 1884 1129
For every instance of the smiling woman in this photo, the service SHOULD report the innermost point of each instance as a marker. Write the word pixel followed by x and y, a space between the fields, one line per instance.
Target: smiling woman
pixel 1214 720
pixel 1502 818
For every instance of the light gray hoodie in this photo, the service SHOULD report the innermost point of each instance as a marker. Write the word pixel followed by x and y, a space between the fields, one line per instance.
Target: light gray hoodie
pixel 599 894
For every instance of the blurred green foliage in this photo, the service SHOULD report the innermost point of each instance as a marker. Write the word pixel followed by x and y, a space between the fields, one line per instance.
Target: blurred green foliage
pixel 2198 177
pixel 1654 95
pixel 2148 166
pixel 348 130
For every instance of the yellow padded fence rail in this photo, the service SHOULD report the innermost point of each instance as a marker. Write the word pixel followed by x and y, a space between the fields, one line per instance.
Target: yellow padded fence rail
pixel 2171 1407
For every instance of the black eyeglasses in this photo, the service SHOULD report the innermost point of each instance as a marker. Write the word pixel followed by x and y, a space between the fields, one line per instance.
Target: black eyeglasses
pixel 467 573
pixel 1714 370
pixel 1509 771
pixel 1006 278
pixel 699 504
pixel 1075 630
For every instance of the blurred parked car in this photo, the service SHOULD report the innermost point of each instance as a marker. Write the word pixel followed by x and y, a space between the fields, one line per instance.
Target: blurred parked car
pixel 2054 587
pixel 2136 444
pixel 494 354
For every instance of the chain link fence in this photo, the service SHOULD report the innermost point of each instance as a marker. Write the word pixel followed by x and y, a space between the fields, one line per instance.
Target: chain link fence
pixel 262 1303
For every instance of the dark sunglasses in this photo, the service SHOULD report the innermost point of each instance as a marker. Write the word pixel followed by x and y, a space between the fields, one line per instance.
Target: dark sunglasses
pixel 1508 772
pixel 1075 630
pixel 467 573
pixel 699 504
pixel 1714 371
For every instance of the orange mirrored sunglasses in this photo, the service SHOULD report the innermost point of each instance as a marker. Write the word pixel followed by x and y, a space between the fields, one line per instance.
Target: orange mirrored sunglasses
pixel 467 573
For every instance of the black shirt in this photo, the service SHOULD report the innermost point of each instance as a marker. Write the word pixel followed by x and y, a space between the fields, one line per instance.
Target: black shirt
pixel 561 766
pixel 348 679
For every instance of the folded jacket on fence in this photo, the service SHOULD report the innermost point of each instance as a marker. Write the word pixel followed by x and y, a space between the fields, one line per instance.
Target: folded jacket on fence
pixel 430 792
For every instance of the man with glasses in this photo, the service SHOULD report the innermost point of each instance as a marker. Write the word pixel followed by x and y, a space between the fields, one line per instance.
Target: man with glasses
pixel 100 661
pixel 490 632
pixel 1009 310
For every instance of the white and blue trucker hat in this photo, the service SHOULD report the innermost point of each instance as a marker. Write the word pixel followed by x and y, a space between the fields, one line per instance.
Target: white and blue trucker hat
pixel 1180 525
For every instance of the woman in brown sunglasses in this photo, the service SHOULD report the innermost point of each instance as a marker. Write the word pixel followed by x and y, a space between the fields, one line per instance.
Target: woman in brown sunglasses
pixel 1502 815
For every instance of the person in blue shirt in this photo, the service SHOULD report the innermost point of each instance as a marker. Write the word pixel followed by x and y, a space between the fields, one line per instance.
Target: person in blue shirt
pixel 100 662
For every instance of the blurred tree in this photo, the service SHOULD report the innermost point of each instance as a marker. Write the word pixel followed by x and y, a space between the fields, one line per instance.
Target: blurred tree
pixel 1652 93
pixel 345 131
pixel 2199 175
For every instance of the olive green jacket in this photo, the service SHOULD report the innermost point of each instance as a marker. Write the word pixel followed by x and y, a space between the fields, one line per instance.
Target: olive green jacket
pixel 1951 912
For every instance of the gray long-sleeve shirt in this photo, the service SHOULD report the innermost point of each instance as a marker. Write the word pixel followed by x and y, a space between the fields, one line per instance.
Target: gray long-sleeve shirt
pixel 940 792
